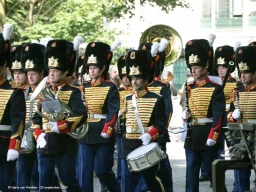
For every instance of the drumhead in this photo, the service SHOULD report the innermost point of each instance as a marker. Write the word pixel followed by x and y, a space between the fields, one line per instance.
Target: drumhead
pixel 141 150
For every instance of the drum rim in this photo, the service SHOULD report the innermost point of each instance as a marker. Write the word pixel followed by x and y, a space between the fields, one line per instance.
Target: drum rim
pixel 144 153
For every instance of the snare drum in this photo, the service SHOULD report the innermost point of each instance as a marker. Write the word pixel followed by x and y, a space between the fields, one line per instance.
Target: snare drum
pixel 145 157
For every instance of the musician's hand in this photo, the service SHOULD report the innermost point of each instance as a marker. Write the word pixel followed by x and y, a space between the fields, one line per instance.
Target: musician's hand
pixel 210 142
pixel 236 114
pixel 185 114
pixel 53 126
pixel 41 142
pixel 104 135
pixel 12 155
pixel 145 138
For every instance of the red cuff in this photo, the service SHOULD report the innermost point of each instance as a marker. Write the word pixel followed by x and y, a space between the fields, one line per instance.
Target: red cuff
pixel 153 132
pixel 63 126
pixel 37 132
pixel 213 135
pixel 14 144
pixel 108 130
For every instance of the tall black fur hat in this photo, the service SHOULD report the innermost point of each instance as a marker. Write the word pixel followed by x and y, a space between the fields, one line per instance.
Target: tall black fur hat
pixel 60 55
pixel 252 43
pixel 139 63
pixel 32 57
pixel 121 66
pixel 79 69
pixel 198 52
pixel 245 59
pixel 145 46
pixel 98 54
pixel 16 58
pixel 223 55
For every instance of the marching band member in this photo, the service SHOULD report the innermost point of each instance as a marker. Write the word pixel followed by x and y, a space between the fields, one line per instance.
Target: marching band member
pixel 243 107
pixel 32 61
pixel 205 109
pixel 12 116
pixel 96 149
pixel 55 145
pixel 124 89
pixel 139 65
pixel 158 86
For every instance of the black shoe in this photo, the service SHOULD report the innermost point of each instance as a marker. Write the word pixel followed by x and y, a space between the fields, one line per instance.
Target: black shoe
pixel 104 189
pixel 204 178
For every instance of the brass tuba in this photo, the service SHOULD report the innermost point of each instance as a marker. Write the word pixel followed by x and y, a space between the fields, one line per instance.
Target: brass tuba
pixel 174 48
pixel 56 109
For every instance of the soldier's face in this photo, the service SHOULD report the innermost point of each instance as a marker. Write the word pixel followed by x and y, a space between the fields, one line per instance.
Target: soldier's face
pixel 55 75
pixel 126 81
pixel 222 71
pixel 19 77
pixel 138 84
pixel 246 78
pixel 33 77
pixel 197 71
pixel 94 72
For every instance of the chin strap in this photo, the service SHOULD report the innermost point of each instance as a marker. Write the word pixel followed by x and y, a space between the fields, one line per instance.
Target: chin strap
pixel 204 71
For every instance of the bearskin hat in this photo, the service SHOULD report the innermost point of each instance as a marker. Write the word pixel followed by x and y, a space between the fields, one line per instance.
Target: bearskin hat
pixel 16 58
pixel 79 69
pixel 245 59
pixel 121 66
pixel 223 55
pixel 252 43
pixel 198 52
pixel 139 63
pixel 60 55
pixel 5 45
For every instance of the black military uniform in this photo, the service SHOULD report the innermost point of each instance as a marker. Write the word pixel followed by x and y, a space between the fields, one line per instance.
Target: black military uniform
pixel 11 119
pixel 96 148
pixel 154 123
pixel 32 59
pixel 243 98
pixel 158 86
pixel 206 103
pixel 61 146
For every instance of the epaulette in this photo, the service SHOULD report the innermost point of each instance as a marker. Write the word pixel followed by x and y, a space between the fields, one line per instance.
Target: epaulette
pixel 74 86
pixel 18 85
pixel 233 95
pixel 110 82
pixel 163 81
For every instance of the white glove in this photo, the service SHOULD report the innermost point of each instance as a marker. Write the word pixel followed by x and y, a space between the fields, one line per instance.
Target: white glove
pixel 184 115
pixel 210 142
pixel 236 114
pixel 104 135
pixel 145 138
pixel 41 142
pixel 53 126
pixel 12 155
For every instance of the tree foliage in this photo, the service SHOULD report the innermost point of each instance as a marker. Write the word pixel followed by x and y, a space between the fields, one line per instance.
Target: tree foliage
pixel 64 19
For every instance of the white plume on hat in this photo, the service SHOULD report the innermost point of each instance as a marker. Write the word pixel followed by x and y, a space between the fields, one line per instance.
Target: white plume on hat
pixel 34 41
pixel 237 44
pixel 77 41
pixel 7 32
pixel 44 41
pixel 115 45
pixel 163 44
pixel 211 39
pixel 154 48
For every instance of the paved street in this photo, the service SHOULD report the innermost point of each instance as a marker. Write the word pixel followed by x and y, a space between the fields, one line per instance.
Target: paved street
pixel 176 154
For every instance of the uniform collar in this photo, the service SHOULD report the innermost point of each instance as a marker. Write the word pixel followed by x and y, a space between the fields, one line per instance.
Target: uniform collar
pixel 97 82
pixel 141 93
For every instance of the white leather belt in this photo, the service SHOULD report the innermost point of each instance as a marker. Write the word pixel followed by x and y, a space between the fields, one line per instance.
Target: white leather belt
pixel 201 120
pixel 97 116
pixel 253 121
pixel 5 128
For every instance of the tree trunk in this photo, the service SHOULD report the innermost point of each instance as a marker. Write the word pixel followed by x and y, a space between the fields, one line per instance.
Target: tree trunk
pixel 2 14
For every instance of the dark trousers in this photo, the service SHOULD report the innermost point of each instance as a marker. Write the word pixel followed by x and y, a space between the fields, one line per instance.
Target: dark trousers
pixel 7 176
pixel 194 159
pixel 119 151
pixel 27 171
pixel 100 158
pixel 65 164
pixel 242 180
pixel 132 181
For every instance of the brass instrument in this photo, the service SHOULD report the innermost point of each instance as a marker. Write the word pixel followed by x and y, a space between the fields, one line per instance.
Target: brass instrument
pixel 174 48
pixel 57 110
pixel 27 143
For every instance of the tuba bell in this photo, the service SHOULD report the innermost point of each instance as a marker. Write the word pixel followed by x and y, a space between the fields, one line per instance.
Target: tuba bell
pixel 174 48
pixel 56 109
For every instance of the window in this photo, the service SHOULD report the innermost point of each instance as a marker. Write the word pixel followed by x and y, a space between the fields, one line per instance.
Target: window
pixel 206 8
